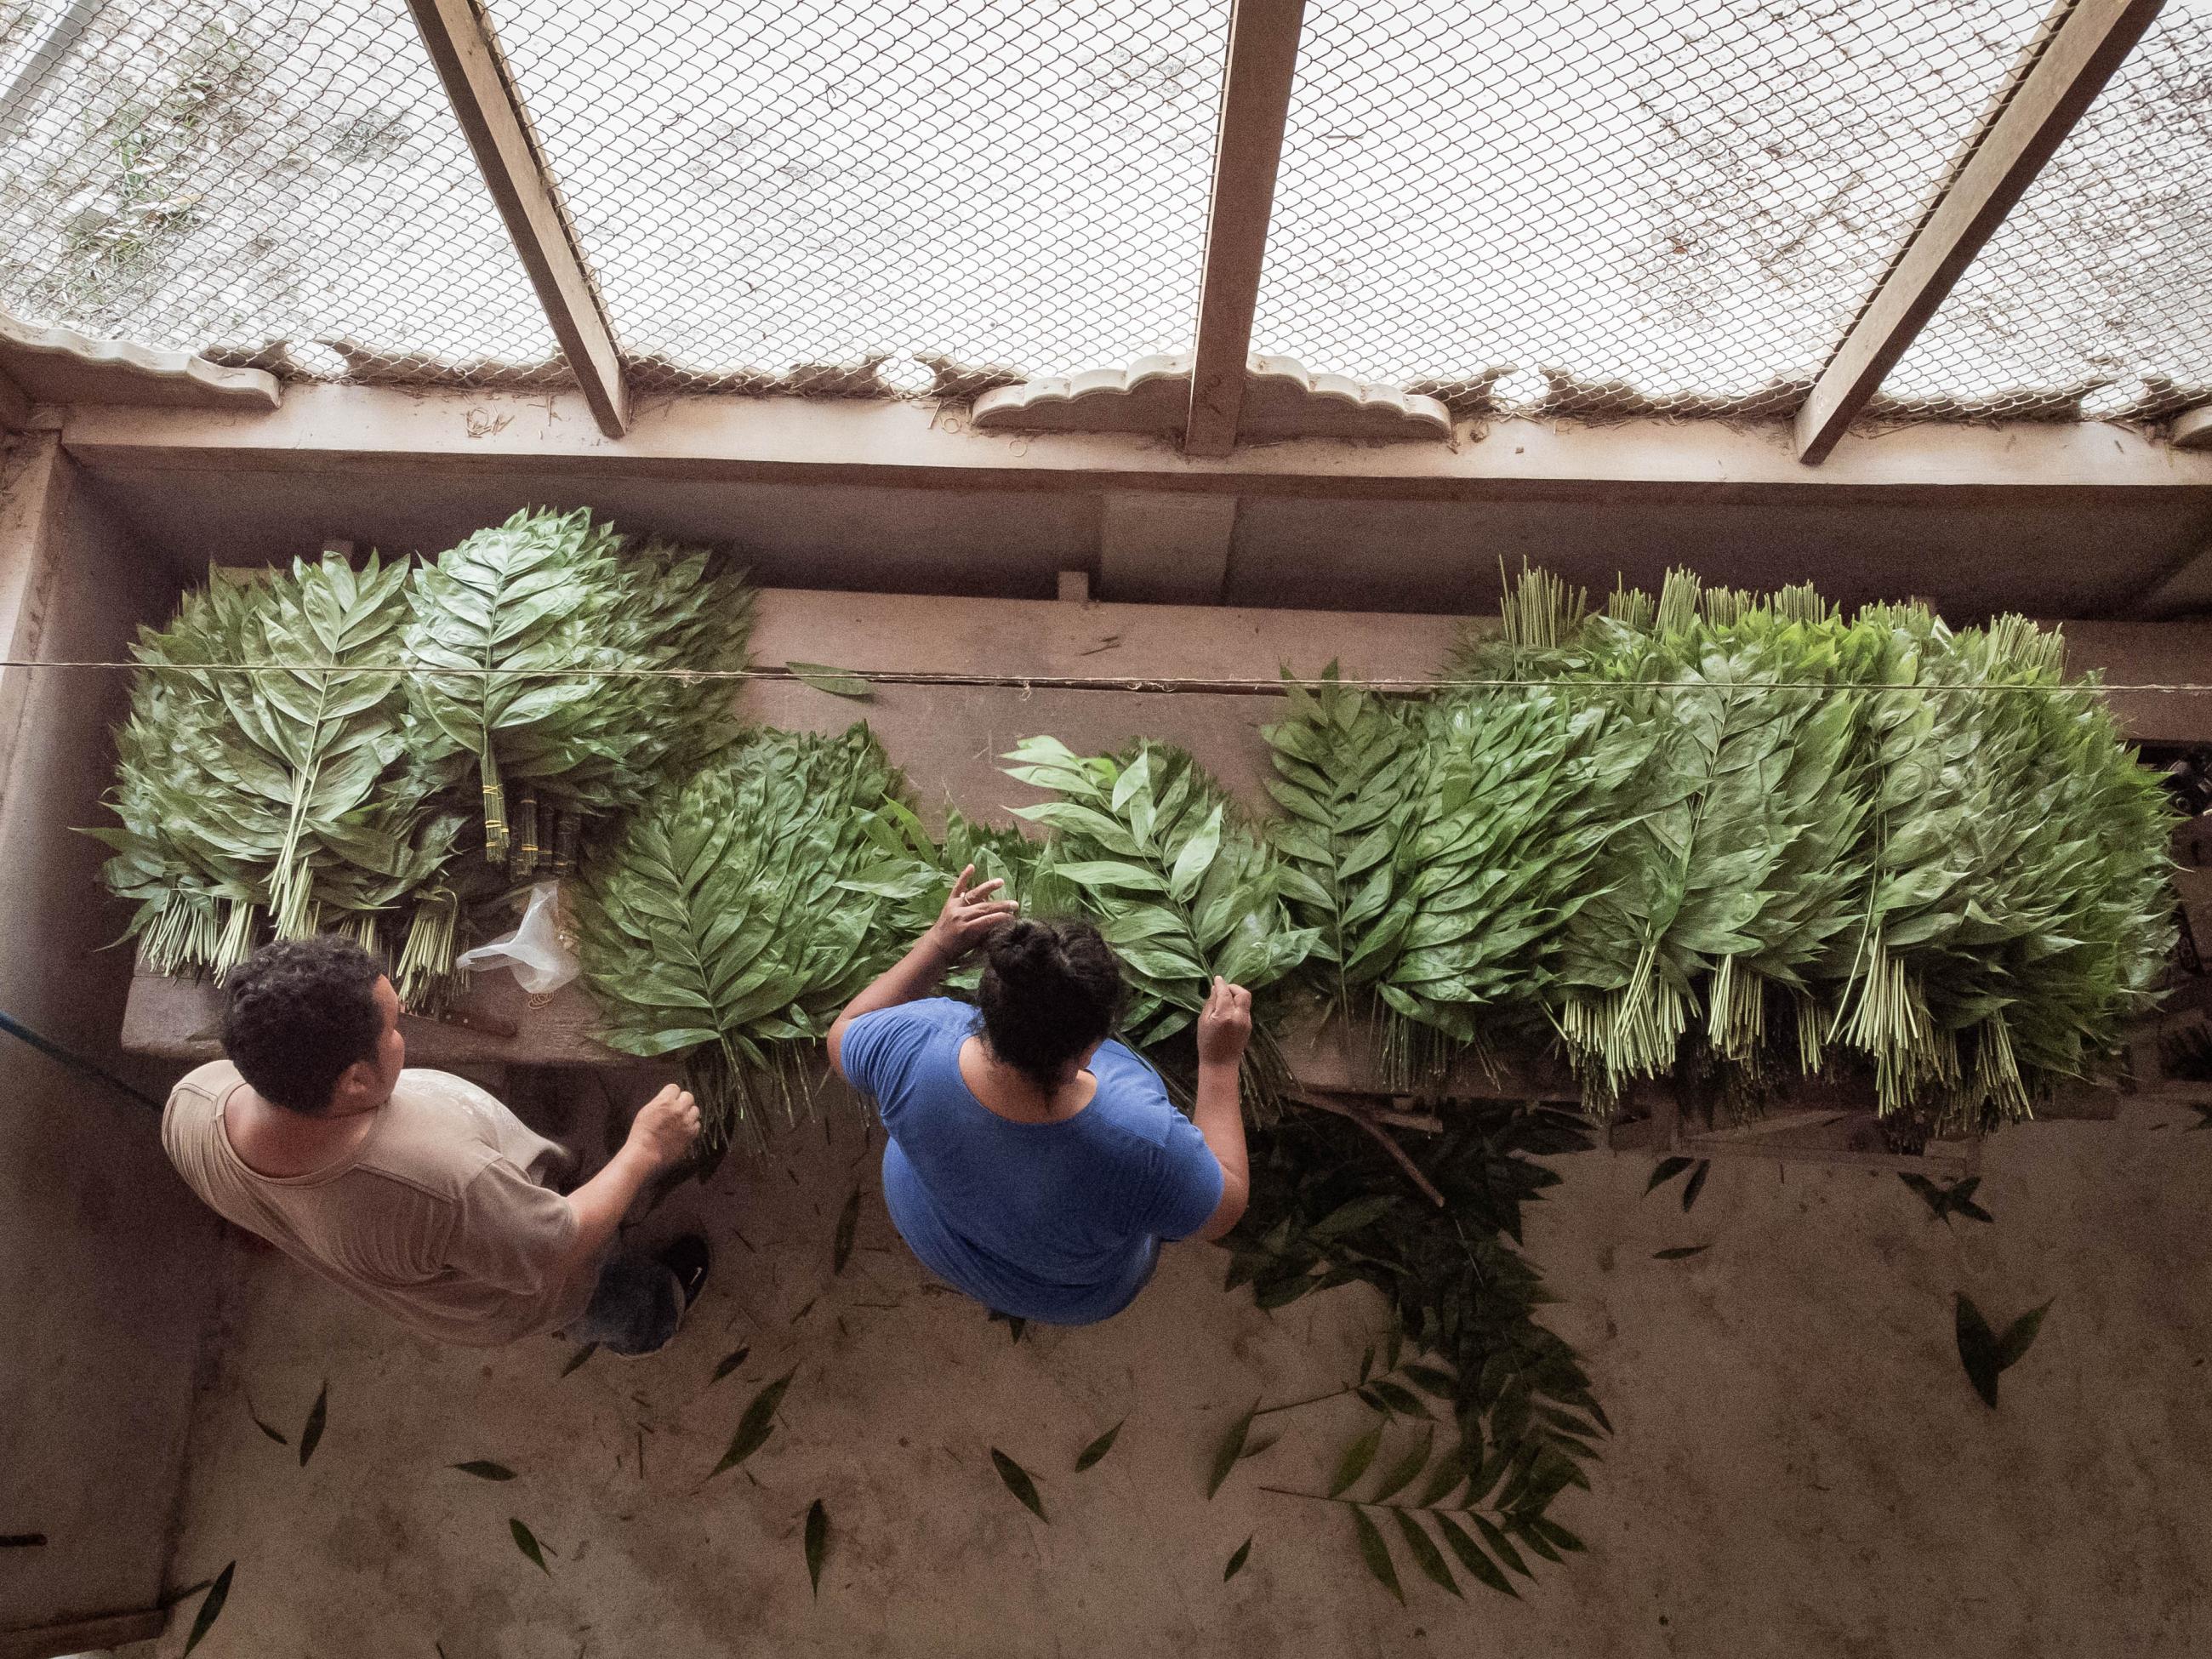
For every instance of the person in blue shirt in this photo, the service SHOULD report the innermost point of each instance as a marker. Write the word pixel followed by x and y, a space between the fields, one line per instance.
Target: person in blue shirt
pixel 1034 1162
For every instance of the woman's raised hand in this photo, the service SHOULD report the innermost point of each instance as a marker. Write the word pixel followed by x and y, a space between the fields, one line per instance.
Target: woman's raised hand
pixel 968 916
pixel 1225 1025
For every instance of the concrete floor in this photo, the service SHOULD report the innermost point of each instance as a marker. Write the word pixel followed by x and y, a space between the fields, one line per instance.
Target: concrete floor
pixel 1799 1467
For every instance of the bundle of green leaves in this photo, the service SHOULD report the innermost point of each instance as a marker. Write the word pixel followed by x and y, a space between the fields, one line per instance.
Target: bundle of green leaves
pixel 552 664
pixel 263 782
pixel 1147 847
pixel 1923 851
pixel 1441 851
pixel 742 906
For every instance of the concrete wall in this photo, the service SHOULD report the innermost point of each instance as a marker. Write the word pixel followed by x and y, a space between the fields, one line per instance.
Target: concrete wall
pixel 107 1265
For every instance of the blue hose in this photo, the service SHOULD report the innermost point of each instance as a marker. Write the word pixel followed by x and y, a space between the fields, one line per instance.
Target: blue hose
pixel 77 1062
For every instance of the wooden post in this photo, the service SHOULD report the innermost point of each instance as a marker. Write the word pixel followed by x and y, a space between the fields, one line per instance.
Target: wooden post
pixel 459 36
pixel 2073 54
pixel 1255 102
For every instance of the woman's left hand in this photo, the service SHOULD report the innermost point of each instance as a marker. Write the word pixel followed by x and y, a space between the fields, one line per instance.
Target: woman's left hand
pixel 968 916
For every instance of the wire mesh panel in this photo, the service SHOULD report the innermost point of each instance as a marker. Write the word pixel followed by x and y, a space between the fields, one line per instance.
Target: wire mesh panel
pixel 852 195
pixel 2095 295
pixel 1592 207
pixel 280 184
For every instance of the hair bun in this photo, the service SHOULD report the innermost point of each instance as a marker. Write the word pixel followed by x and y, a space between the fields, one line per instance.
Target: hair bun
pixel 1022 947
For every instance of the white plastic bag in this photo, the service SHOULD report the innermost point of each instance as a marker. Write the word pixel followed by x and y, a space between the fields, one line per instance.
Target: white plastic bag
pixel 534 950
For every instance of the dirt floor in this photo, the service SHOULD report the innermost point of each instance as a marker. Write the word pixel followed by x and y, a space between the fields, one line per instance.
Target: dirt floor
pixel 1799 1466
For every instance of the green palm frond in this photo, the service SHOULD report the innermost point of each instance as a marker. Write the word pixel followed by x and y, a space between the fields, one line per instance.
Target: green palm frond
pixel 743 907
pixel 1147 845
pixel 499 625
pixel 279 799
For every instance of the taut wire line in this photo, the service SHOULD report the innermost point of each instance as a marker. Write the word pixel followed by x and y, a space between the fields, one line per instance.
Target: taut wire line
pixel 1150 682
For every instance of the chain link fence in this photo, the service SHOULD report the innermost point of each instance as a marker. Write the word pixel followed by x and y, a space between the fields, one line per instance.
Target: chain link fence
pixel 281 185
pixel 1576 208
pixel 1582 207
pixel 2094 297
pixel 864 196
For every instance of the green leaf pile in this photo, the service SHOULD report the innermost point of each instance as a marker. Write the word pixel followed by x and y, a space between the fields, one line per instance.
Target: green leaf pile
pixel 501 626
pixel 255 799
pixel 743 907
pixel 1148 846
pixel 1871 841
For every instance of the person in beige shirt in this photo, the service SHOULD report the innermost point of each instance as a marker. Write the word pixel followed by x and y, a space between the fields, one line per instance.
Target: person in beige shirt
pixel 415 1190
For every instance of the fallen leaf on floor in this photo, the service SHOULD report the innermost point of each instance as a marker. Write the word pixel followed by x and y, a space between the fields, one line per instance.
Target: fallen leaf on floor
pixel 817 1541
pixel 1242 1553
pixel 526 1541
pixel 756 1424
pixel 484 1471
pixel 210 1606
pixel 312 1436
pixel 1098 1449
pixel 1019 1482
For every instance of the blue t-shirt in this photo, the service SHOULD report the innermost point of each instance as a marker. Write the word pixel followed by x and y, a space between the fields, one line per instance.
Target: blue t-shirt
pixel 1056 1222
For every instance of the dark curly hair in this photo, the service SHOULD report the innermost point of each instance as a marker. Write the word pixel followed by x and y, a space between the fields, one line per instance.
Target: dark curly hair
pixel 1050 989
pixel 298 1012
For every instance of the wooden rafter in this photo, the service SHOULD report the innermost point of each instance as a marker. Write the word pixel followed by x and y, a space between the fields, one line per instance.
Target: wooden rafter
pixel 2073 54
pixel 459 36
pixel 1255 102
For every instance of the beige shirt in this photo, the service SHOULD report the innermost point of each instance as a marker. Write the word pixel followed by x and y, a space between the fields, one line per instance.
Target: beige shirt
pixel 439 1217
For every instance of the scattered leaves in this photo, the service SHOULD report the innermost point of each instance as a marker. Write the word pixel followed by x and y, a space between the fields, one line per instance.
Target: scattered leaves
pixel 1987 1355
pixel 577 1359
pixel 274 1433
pixel 484 1471
pixel 1944 1202
pixel 818 1542
pixel 1237 1558
pixel 526 1541
pixel 1696 1183
pixel 1018 1481
pixel 1667 1170
pixel 210 1606
pixel 756 1424
pixel 1680 1252
pixel 1098 1449
pixel 319 1413
pixel 730 1362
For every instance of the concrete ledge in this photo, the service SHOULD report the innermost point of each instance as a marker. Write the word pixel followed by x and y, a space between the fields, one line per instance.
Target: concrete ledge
pixel 321 429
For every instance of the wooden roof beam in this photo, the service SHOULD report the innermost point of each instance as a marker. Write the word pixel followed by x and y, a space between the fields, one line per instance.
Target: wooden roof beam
pixel 2075 52
pixel 459 36
pixel 1256 103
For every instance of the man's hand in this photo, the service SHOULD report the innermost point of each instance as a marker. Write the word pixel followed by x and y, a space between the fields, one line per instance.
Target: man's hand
pixel 968 917
pixel 664 1128
pixel 1225 1026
